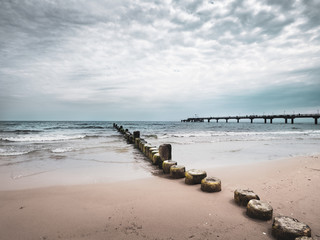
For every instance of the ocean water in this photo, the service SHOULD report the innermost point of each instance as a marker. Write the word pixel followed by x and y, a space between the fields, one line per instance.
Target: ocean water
pixel 35 154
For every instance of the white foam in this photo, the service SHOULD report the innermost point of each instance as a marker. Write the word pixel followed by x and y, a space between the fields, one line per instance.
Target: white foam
pixel 43 138
pixel 12 153
pixel 62 150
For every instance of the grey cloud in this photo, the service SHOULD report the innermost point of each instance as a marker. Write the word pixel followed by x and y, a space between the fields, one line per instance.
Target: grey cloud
pixel 270 23
pixel 284 4
pixel 188 6
pixel 311 10
pixel 105 52
pixel 249 27
pixel 310 75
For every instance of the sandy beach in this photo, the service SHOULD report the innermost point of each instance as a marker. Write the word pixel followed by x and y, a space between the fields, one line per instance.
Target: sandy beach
pixel 96 95
pixel 162 208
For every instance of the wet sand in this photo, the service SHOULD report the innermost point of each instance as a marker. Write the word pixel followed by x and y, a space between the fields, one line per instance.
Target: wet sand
pixel 161 208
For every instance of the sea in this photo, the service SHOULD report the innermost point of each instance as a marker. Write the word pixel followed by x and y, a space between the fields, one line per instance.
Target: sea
pixel 48 153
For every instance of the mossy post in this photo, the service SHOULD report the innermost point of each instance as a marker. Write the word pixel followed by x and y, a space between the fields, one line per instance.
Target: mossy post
pixel 156 160
pixel 211 184
pixel 149 149
pixel 141 144
pixel 166 165
pixel 126 135
pixel 242 197
pixel 194 176
pixel 150 156
pixel 137 142
pixel 177 171
pixel 153 152
pixel 145 148
pixel 136 134
pixel 288 228
pixel 260 210
pixel 165 152
pixel 129 137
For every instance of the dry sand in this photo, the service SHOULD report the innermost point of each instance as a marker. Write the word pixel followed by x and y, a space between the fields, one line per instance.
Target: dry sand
pixel 162 208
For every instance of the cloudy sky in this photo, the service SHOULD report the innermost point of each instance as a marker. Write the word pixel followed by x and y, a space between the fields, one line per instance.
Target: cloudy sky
pixel 157 60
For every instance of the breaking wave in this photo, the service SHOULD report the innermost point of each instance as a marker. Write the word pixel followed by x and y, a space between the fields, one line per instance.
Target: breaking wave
pixel 42 138
pixel 21 131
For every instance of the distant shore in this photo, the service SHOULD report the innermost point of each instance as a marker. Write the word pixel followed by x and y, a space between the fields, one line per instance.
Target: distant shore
pixel 161 208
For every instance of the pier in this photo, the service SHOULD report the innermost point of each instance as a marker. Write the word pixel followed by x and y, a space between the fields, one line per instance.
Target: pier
pixel 288 118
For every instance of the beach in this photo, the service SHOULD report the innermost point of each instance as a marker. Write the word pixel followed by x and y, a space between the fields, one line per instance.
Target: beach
pixel 81 180
pixel 158 207
pixel 131 120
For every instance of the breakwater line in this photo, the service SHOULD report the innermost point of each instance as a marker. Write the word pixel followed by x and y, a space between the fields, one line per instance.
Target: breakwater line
pixel 162 157
pixel 283 227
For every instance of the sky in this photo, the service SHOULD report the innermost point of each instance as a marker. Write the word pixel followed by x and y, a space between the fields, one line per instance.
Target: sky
pixel 157 60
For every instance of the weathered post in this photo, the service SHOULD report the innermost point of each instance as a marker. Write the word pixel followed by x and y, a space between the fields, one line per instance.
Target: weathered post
pixel 166 165
pixel 289 228
pixel 136 134
pixel 165 152
pixel 242 197
pixel 194 176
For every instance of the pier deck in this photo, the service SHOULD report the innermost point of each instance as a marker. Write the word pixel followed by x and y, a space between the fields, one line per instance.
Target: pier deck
pixel 286 117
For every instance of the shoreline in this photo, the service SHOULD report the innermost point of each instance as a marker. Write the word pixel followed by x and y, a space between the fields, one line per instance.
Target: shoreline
pixel 163 208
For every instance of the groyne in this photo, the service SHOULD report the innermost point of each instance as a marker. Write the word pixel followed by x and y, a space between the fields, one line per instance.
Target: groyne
pixel 282 227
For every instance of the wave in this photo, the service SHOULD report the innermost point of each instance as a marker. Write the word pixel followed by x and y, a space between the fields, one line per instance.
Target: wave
pixel 75 127
pixel 21 131
pixel 238 134
pixel 15 177
pixel 151 136
pixel 93 127
pixel 42 138
pixel 12 153
pixel 62 150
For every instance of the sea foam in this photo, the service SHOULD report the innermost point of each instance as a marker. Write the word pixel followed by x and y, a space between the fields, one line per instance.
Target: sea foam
pixel 42 138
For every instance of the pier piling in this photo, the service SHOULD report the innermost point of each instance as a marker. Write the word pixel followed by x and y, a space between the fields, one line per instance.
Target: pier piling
pixel 292 117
